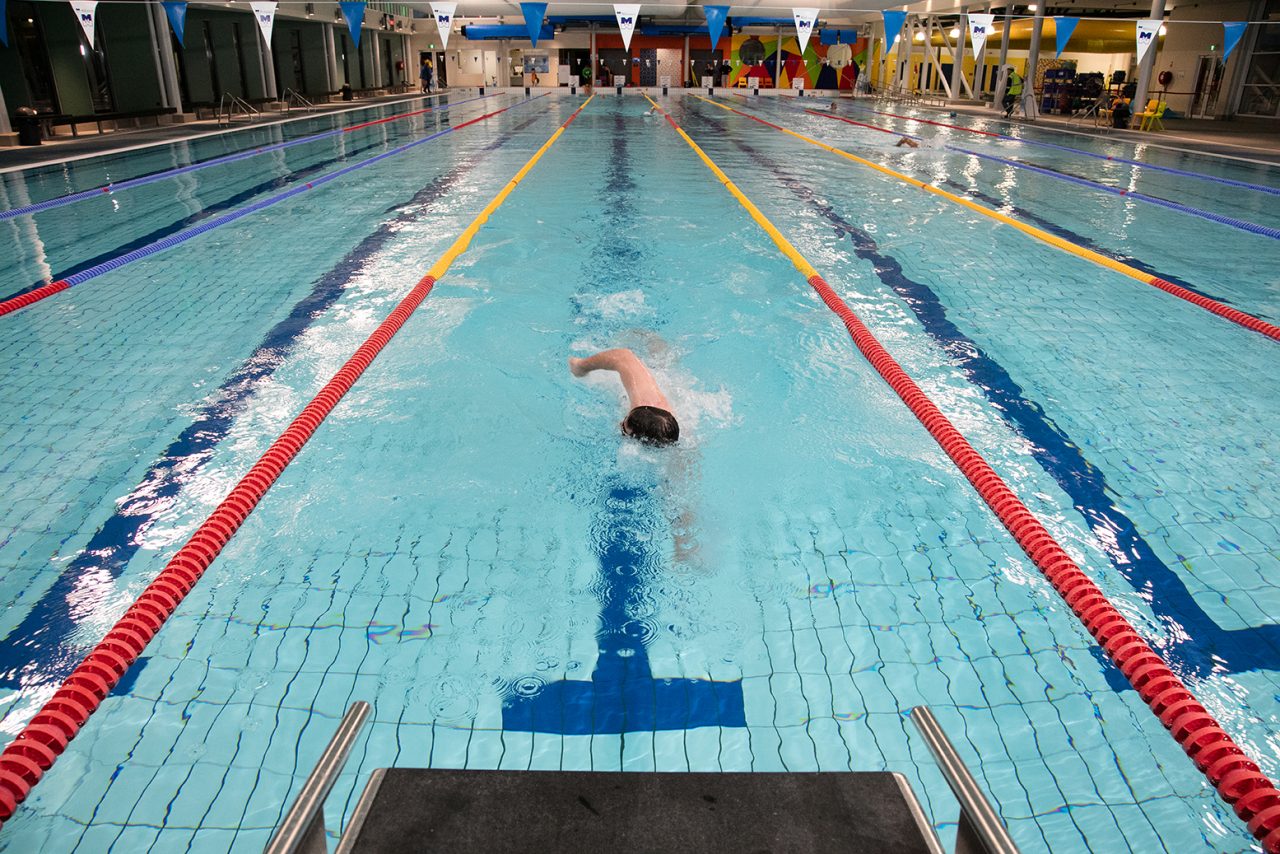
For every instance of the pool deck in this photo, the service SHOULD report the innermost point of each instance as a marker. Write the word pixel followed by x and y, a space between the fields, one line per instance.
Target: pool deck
pixel 66 147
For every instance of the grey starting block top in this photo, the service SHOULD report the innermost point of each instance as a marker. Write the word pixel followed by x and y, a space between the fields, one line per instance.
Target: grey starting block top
pixel 412 809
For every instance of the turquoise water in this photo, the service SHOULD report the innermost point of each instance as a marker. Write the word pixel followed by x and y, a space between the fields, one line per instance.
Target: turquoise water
pixel 467 538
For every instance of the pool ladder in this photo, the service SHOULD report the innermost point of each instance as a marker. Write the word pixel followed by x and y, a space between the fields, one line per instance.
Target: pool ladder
pixel 232 106
pixel 291 99
pixel 980 830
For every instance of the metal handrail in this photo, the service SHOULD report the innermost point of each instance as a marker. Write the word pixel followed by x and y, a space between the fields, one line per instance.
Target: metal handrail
pixel 975 809
pixel 229 105
pixel 291 98
pixel 303 825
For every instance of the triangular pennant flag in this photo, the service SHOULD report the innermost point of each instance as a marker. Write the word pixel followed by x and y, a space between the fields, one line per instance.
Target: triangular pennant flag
pixel 626 13
pixel 176 10
pixel 533 14
pixel 444 20
pixel 265 15
pixel 4 24
pixel 353 11
pixel 84 10
pixel 980 26
pixel 893 22
pixel 1235 29
pixel 1063 28
pixel 805 19
pixel 715 22
pixel 1147 30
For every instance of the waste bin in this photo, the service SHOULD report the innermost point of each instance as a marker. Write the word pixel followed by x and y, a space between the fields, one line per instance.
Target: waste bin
pixel 27 123
pixel 347 93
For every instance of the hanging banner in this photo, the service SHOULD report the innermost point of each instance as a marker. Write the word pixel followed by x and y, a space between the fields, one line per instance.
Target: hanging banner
pixel 353 11
pixel 84 10
pixel 1235 29
pixel 715 22
pixel 893 22
pixel 533 14
pixel 626 13
pixel 444 20
pixel 4 24
pixel 265 15
pixel 1147 31
pixel 980 26
pixel 805 19
pixel 176 11
pixel 1063 28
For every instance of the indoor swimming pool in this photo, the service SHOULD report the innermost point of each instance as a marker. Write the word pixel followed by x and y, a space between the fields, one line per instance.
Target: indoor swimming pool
pixel 469 544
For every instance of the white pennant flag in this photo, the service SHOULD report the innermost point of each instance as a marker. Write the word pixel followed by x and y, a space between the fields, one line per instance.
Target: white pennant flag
pixel 265 14
pixel 979 29
pixel 626 13
pixel 805 19
pixel 1147 32
pixel 84 14
pixel 444 20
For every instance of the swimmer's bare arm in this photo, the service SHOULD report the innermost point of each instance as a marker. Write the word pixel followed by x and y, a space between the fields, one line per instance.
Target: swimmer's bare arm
pixel 641 388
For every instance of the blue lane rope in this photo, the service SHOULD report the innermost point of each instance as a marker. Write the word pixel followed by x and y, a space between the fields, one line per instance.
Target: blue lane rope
pixel 96 192
pixel 183 236
pixel 1243 225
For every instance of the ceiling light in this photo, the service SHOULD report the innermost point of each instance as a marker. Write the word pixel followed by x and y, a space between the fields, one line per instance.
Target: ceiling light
pixel 919 37
pixel 1163 29
pixel 955 33
pixel 1032 7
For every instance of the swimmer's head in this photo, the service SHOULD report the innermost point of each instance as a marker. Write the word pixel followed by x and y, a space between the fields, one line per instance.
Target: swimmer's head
pixel 651 425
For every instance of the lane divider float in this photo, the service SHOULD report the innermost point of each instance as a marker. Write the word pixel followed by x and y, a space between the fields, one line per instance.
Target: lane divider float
pixel 1230 182
pixel 1222 219
pixel 1237 778
pixel 45 291
pixel 26 759
pixel 61 201
pixel 1248 321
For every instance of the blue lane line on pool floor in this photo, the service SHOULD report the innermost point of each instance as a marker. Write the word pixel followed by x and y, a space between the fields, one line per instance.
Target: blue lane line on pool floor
pixel 622 695
pixel 1202 647
pixel 98 192
pixel 42 649
pixel 181 237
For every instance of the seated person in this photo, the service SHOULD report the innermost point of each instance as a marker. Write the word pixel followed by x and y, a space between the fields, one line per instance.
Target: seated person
pixel 650 419
pixel 1120 113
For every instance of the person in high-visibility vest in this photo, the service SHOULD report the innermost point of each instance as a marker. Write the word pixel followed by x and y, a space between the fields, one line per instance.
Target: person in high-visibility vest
pixel 1012 92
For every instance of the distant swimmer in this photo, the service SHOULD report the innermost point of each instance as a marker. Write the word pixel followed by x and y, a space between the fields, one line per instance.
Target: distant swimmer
pixel 908 142
pixel 831 108
pixel 650 418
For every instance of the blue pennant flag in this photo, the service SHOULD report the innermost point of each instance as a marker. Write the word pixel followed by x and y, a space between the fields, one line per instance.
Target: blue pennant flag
pixel 893 22
pixel 1064 27
pixel 4 23
pixel 353 11
pixel 177 12
pixel 715 22
pixel 1235 29
pixel 533 13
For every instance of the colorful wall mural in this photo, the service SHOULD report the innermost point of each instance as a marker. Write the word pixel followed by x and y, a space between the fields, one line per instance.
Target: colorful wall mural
pixel 754 58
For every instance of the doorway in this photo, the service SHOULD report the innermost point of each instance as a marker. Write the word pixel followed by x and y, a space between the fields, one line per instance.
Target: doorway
pixel 1208 82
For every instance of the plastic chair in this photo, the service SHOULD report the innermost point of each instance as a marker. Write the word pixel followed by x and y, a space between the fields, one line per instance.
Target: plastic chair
pixel 1152 115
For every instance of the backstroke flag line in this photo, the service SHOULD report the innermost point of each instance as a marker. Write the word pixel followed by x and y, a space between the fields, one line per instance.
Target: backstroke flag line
pixel 176 12
pixel 626 13
pixel 353 11
pixel 893 22
pixel 805 19
pixel 715 21
pixel 1234 30
pixel 979 29
pixel 1147 31
pixel 444 20
pixel 1063 28
pixel 533 14
pixel 265 15
pixel 84 10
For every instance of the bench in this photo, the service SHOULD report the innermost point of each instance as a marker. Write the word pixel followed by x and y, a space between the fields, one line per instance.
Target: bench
pixel 51 120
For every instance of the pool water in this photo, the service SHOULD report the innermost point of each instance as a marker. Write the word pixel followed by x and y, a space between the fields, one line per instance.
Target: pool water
pixel 469 544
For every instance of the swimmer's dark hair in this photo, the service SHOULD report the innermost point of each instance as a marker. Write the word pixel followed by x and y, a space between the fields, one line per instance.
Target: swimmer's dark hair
pixel 651 425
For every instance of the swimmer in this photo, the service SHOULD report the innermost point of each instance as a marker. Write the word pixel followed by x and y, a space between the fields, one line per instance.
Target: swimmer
pixel 908 142
pixel 650 419
pixel 653 111
pixel 831 108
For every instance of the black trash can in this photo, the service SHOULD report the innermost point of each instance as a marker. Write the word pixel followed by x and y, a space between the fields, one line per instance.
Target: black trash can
pixel 347 93
pixel 27 124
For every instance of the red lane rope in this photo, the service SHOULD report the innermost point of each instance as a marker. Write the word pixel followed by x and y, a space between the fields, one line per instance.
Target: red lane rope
pixel 11 305
pixel 26 759
pixel 1237 778
pixel 938 124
